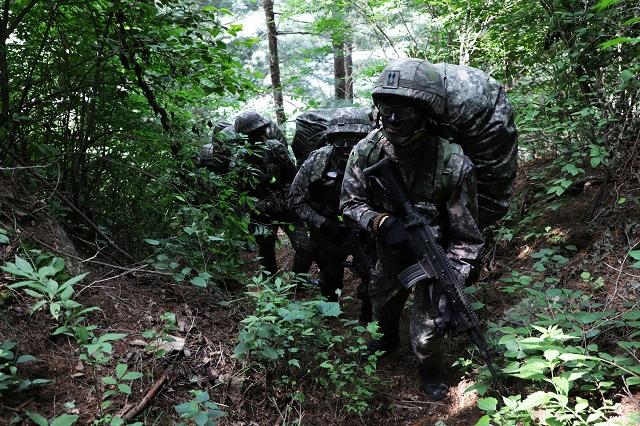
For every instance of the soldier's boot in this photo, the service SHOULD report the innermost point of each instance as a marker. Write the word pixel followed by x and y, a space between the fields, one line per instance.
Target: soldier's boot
pixel 432 380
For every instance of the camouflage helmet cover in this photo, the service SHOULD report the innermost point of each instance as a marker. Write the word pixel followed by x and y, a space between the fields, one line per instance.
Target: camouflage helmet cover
pixel 228 134
pixel 248 122
pixel 415 79
pixel 349 120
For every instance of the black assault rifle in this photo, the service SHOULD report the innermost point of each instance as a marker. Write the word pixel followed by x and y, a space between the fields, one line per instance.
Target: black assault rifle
pixel 456 311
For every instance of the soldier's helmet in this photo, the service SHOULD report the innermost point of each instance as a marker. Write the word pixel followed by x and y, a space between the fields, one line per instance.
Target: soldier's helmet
pixel 249 122
pixel 349 120
pixel 414 80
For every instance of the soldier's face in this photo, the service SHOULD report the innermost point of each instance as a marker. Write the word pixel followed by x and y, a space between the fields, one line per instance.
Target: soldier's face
pixel 343 143
pixel 258 135
pixel 400 120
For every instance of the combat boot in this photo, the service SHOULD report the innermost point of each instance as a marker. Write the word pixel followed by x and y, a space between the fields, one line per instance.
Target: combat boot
pixel 432 381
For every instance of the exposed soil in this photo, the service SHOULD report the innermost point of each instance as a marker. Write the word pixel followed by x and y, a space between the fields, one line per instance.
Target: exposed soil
pixel 209 321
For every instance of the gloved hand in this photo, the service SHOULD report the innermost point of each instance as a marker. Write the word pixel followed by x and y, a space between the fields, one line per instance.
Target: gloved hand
pixel 392 232
pixel 330 227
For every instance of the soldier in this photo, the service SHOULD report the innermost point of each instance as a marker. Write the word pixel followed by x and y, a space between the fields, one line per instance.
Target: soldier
pixel 273 172
pixel 216 156
pixel 315 196
pixel 441 184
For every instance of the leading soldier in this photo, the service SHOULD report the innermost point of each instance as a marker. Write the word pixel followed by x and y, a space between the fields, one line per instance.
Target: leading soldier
pixel 418 101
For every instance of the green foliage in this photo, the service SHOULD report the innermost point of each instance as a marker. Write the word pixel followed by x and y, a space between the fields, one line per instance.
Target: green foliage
pixel 9 379
pixel 4 238
pixel 62 420
pixel 200 410
pixel 206 240
pixel 41 285
pixel 158 337
pixel 98 349
pixel 291 336
pixel 118 384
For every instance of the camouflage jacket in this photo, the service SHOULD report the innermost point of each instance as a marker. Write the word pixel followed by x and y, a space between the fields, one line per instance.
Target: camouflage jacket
pixel 450 208
pixel 315 191
pixel 271 171
pixel 478 110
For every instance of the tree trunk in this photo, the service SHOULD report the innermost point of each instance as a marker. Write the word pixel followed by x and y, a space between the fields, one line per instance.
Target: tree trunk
pixel 348 68
pixel 339 69
pixel 274 62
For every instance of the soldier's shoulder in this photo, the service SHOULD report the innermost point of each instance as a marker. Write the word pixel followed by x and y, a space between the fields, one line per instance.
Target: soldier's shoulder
pixel 369 142
pixel 455 157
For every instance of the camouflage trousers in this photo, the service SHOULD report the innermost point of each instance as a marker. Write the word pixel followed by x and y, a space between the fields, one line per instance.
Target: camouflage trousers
pixel 388 298
pixel 265 230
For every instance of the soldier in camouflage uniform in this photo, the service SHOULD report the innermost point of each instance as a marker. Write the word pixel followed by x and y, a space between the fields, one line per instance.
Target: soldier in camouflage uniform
pixel 441 184
pixel 315 195
pixel 216 156
pixel 273 171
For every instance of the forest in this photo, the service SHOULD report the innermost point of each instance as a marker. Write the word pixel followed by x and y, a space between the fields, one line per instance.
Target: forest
pixel 136 286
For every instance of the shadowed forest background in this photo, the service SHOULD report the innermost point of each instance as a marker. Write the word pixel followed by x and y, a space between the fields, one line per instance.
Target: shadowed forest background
pixel 129 293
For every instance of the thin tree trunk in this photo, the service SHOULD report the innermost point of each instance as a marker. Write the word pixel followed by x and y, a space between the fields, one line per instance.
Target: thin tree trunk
pixel 348 68
pixel 274 62
pixel 339 69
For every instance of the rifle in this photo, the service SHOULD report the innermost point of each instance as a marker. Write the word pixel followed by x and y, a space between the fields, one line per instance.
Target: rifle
pixel 455 309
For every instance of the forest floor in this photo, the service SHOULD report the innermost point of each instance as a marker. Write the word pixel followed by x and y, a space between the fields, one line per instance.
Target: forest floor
pixel 209 323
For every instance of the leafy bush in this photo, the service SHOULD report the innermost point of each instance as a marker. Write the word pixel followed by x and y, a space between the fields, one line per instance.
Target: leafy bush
pixel 41 285
pixel 292 338
pixel 200 410
pixel 9 380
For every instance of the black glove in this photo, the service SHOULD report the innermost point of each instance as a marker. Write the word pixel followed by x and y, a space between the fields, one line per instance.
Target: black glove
pixel 393 233
pixel 331 228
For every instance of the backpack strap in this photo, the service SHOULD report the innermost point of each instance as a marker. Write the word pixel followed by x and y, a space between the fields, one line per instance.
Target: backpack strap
pixel 448 177
pixel 374 147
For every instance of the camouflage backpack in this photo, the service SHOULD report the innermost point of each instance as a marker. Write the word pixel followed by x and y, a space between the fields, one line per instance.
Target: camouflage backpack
pixel 311 126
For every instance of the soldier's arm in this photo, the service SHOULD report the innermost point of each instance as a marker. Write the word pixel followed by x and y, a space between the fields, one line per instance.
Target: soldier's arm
pixel 353 198
pixel 299 195
pixel 465 239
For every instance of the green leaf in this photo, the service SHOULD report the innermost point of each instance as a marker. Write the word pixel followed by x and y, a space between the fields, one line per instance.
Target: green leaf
pixel 121 369
pixel 603 4
pixel 199 281
pixel 111 336
pixel 294 362
pixel 201 419
pixel 152 242
pixel 534 400
pixel 64 420
pixel 108 380
pixel 23 265
pixel 25 358
pixel 635 254
pixel 72 281
pixel 484 421
pixel 37 419
pixel 270 353
pixel 124 388
pixel 4 239
pixel 190 407
pixel 132 375
pixel 202 396
pixel 488 404
pixel 329 309
pixel 633 381
pixel 615 41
